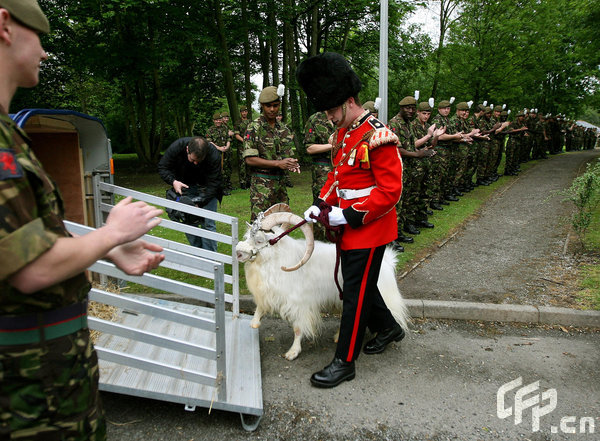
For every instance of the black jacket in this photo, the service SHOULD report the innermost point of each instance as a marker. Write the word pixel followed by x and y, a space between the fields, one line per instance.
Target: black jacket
pixel 174 165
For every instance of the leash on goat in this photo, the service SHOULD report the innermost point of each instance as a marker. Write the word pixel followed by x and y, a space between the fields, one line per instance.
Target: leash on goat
pixel 333 234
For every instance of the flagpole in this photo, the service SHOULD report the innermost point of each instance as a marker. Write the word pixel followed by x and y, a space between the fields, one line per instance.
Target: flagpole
pixel 383 61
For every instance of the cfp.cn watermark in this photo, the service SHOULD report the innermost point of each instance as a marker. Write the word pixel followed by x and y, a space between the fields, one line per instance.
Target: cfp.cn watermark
pixel 541 404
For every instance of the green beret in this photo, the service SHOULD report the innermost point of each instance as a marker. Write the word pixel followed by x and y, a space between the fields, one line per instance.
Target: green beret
pixel 424 107
pixel 408 101
pixel 488 109
pixel 462 106
pixel 370 106
pixel 225 114
pixel 504 113
pixel 480 108
pixel 521 113
pixel 242 108
pixel 27 12
pixel 217 115
pixel 443 103
pixel 268 95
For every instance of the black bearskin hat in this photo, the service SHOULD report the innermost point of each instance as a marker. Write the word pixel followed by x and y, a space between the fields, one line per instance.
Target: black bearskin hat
pixel 328 80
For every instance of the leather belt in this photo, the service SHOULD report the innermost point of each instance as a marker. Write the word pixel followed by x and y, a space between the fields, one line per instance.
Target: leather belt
pixel 349 194
pixel 35 328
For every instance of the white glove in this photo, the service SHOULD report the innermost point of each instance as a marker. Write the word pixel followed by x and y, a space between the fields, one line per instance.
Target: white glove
pixel 313 209
pixel 336 217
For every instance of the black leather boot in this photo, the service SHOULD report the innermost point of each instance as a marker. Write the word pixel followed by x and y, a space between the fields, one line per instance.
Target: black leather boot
pixel 334 373
pixel 411 229
pixel 405 239
pixel 383 338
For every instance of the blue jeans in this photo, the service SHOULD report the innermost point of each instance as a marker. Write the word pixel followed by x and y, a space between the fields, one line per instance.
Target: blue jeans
pixel 208 225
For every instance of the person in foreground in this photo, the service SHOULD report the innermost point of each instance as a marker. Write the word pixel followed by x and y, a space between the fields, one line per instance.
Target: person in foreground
pixel 48 367
pixel 362 189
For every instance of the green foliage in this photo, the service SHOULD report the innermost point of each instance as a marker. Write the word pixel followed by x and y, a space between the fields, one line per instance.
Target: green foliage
pixel 584 193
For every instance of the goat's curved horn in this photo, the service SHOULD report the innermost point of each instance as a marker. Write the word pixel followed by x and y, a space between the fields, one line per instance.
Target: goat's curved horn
pixel 281 218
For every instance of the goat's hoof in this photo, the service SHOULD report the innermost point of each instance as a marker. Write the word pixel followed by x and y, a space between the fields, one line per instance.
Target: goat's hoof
pixel 336 337
pixel 291 355
pixel 255 325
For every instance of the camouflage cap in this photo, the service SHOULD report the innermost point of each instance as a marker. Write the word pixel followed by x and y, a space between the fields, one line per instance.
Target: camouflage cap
pixel 408 101
pixel 268 95
pixel 217 115
pixel 462 106
pixel 370 106
pixel 27 12
pixel 443 103
pixel 424 107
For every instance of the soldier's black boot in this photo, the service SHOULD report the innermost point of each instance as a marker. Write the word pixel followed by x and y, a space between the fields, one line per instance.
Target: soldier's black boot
pixel 436 205
pixel 403 238
pixel 334 373
pixel 383 338
pixel 411 229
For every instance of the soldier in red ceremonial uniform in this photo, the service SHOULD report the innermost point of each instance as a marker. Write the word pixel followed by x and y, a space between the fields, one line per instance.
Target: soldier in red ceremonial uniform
pixel 363 189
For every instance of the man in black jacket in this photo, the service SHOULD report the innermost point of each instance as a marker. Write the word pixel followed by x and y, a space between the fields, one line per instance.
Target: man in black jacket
pixel 193 167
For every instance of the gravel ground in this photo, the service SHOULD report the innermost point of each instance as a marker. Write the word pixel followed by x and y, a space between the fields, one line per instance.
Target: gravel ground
pixel 512 251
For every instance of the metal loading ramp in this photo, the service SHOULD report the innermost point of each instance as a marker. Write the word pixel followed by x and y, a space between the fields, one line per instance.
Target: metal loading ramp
pixel 172 351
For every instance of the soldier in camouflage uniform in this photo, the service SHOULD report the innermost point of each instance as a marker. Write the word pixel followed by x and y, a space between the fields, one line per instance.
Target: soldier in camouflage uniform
pixel 515 134
pixel 400 125
pixel 426 137
pixel 268 152
pixel 220 135
pixel 239 134
pixel 317 131
pixel 48 367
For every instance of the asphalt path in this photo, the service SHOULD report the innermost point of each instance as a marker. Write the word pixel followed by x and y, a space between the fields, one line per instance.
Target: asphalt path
pixel 442 381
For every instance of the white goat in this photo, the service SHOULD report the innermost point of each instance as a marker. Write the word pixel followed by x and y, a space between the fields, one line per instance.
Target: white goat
pixel 300 293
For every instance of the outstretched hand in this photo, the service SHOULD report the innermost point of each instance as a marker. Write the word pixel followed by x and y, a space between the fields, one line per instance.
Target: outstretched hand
pixel 137 257
pixel 130 220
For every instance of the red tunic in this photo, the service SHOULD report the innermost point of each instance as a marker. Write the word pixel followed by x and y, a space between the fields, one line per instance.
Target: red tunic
pixel 366 155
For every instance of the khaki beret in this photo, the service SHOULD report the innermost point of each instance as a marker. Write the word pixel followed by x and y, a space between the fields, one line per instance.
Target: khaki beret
pixel 27 12
pixel 487 109
pixel 242 108
pixel 370 106
pixel 225 114
pixel 462 106
pixel 504 113
pixel 443 103
pixel 217 115
pixel 408 101
pixel 268 95
pixel 424 107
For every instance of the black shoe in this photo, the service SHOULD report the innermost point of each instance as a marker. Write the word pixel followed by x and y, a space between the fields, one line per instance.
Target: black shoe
pixel 457 193
pixel 383 338
pixel 436 206
pixel 411 229
pixel 444 202
pixel 424 224
pixel 397 247
pixel 482 182
pixel 334 373
pixel 451 198
pixel 405 239
pixel 429 212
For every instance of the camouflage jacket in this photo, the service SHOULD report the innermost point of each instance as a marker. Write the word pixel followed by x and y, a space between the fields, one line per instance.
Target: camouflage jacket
pixel 241 127
pixel 218 135
pixel 266 142
pixel 317 131
pixel 443 121
pixel 31 222
pixel 418 131
pixel 402 130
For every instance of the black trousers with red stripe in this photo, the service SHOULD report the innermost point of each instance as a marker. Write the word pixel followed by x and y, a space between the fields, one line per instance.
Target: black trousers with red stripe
pixel 363 305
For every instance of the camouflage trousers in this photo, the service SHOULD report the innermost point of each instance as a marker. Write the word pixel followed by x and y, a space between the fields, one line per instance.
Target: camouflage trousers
pixel 410 203
pixel 446 173
pixel 492 158
pixel 433 178
pixel 460 160
pixel 243 174
pixel 319 177
pixel 501 148
pixel 511 162
pixel 49 391
pixel 227 167
pixel 266 190
pixel 471 166
pixel 483 154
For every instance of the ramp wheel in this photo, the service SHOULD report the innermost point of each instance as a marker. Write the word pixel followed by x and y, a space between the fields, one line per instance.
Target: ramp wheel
pixel 250 422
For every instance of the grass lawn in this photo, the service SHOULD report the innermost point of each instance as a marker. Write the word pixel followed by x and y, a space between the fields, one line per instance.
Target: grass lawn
pixel 128 174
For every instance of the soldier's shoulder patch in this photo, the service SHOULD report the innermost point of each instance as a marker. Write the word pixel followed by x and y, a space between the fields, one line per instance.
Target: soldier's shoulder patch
pixel 9 166
pixel 375 123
